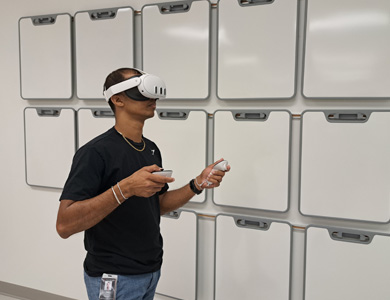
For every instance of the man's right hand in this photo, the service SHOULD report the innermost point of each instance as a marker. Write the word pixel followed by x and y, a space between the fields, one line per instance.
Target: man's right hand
pixel 143 183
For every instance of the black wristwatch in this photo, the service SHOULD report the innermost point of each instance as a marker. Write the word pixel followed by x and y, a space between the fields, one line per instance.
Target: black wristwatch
pixel 193 187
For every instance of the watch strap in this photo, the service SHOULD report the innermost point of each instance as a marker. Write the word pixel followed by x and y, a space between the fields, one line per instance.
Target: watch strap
pixel 193 187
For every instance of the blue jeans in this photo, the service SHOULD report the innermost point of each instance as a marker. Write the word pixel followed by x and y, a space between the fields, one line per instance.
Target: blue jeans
pixel 132 287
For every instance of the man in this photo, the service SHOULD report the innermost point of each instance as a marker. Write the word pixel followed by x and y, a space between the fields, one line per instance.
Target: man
pixel 112 194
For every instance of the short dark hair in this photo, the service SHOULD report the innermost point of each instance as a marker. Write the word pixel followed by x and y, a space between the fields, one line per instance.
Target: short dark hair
pixel 116 77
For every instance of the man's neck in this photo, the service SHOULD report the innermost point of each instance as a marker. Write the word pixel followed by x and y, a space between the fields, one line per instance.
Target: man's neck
pixel 130 129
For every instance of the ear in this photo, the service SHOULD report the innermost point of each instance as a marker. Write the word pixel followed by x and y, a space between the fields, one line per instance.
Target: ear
pixel 117 100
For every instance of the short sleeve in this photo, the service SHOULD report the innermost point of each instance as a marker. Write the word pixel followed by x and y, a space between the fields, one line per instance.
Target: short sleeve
pixel 85 177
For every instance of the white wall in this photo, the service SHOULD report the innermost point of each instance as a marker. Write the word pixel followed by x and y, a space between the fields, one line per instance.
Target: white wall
pixel 32 254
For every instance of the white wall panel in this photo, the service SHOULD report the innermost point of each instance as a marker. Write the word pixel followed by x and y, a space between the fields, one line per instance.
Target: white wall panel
pixel 257 146
pixel 103 43
pixel 49 148
pixel 345 166
pixel 176 47
pixel 346 51
pixel 346 265
pixel 43 40
pixel 247 265
pixel 256 49
pixel 178 274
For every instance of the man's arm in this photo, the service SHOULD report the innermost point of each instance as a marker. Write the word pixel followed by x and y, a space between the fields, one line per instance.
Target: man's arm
pixel 172 200
pixel 77 216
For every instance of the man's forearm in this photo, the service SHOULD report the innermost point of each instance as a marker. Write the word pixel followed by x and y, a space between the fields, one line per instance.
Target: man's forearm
pixel 175 199
pixel 77 216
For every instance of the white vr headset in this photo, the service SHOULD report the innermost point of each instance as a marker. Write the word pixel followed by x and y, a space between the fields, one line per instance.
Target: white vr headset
pixel 139 87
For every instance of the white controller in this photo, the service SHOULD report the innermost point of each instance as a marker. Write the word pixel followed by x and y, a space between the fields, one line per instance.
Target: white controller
pixel 221 166
pixel 165 173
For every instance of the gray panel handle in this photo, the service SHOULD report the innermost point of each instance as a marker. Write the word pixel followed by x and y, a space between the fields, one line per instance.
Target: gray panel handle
pixel 254 2
pixel 100 15
pixel 175 8
pixel 250 116
pixel 49 20
pixel 173 215
pixel 348 117
pixel 252 224
pixel 351 237
pixel 173 115
pixel 48 112
pixel 102 113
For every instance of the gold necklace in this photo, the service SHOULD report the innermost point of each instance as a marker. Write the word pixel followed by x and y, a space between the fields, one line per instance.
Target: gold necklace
pixel 127 141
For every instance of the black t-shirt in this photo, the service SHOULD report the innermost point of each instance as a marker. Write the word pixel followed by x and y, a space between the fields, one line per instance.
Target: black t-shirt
pixel 127 241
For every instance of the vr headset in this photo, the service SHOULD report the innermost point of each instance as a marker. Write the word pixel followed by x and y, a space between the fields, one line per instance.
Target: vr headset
pixel 139 87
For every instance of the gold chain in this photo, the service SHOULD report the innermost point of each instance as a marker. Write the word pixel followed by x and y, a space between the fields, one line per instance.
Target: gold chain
pixel 139 150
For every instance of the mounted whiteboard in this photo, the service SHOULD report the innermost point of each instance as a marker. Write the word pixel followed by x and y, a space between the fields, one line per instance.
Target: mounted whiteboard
pixel 179 230
pixel 181 136
pixel 345 264
pixel 257 146
pixel 252 258
pixel 257 49
pixel 345 165
pixel 93 122
pixel 50 144
pixel 347 47
pixel 104 43
pixel 176 47
pixel 45 46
